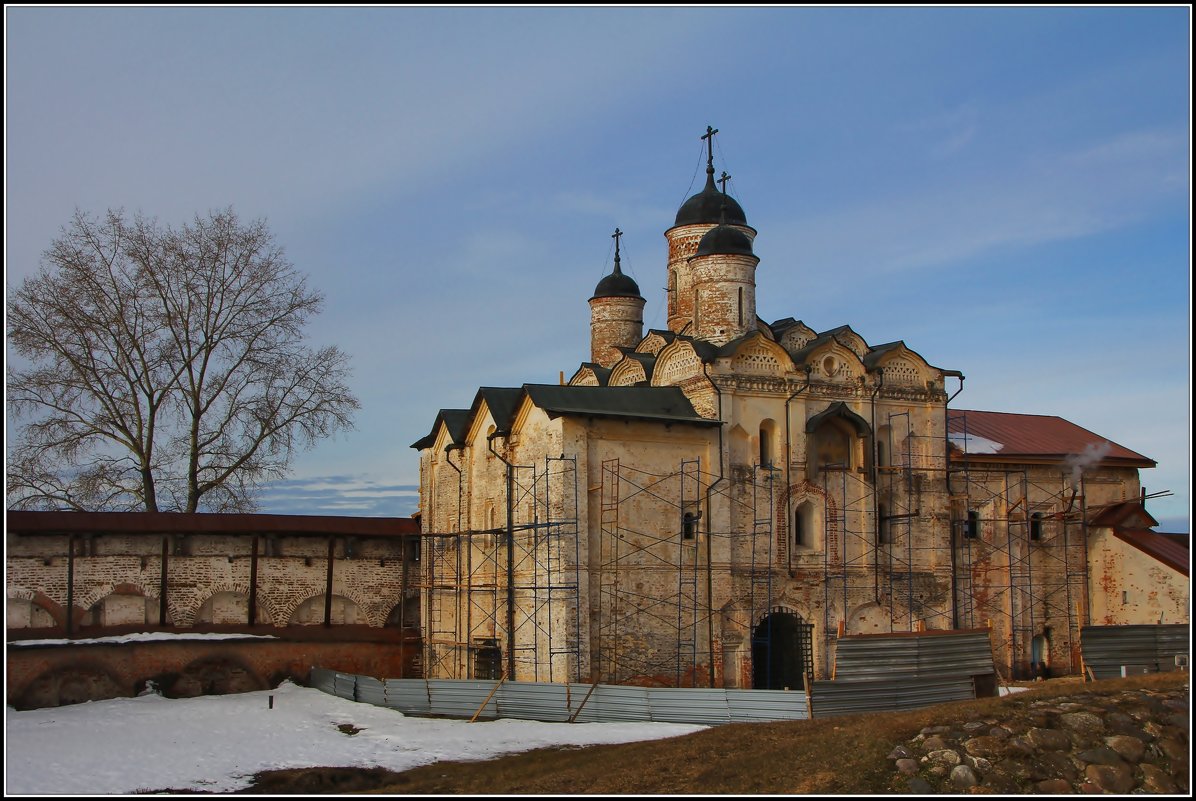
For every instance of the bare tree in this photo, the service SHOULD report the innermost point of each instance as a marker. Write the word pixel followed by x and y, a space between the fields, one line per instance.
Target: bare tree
pixel 166 368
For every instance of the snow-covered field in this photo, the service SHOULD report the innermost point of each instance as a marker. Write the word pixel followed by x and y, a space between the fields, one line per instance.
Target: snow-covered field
pixel 217 743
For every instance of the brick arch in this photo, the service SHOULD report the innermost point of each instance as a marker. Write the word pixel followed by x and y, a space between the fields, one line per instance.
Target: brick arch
pixel 184 609
pixel 102 591
pixel 234 588
pixel 367 610
pixel 55 610
pixel 89 600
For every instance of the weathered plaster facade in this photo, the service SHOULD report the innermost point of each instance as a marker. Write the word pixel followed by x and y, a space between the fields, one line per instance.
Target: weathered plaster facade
pixel 723 499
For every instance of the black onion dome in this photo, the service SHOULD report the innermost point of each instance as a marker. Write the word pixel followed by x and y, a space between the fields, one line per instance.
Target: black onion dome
pixel 706 206
pixel 723 240
pixel 617 285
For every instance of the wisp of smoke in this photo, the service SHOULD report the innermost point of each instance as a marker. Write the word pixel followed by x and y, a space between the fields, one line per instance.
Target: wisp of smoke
pixel 1091 455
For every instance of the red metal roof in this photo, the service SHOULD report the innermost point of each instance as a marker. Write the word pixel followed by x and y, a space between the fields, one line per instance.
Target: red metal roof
pixel 20 522
pixel 1031 436
pixel 1127 514
pixel 1166 550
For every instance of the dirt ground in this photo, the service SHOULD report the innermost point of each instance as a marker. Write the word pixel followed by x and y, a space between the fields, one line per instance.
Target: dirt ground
pixel 844 755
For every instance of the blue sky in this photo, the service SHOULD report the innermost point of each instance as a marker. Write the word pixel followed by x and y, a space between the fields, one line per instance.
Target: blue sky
pixel 1007 190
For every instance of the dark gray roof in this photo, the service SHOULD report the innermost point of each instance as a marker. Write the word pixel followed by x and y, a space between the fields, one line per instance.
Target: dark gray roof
pixel 502 402
pixel 646 360
pixel 457 421
pixel 659 404
pixel 784 324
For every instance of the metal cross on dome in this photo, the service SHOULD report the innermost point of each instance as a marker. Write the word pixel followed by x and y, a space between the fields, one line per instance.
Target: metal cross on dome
pixel 722 179
pixel 709 137
pixel 615 236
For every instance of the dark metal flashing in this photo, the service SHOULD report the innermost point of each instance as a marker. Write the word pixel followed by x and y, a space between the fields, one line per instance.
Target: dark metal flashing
pixel 457 421
pixel 654 404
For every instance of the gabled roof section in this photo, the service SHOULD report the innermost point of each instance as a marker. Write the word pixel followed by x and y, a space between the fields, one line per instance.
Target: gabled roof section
pixel 802 355
pixel 646 360
pixel 875 354
pixel 848 339
pixel 1131 524
pixel 779 327
pixel 657 404
pixel 601 374
pixel 502 403
pixel 706 351
pixel 1163 549
pixel 666 336
pixel 457 422
pixel 1003 435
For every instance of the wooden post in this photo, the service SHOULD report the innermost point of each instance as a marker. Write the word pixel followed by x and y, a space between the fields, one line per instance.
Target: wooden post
pixel 253 582
pixel 328 584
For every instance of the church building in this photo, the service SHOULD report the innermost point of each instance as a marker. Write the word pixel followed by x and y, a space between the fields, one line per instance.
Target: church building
pixel 718 502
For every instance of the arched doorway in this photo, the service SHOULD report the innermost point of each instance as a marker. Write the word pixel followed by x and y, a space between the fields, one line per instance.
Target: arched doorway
pixel 781 652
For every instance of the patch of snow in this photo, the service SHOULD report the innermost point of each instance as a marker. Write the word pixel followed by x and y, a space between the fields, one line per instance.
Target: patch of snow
pixel 970 443
pixel 217 743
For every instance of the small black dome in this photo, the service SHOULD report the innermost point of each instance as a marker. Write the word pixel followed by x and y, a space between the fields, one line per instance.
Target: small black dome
pixel 723 240
pixel 617 285
pixel 707 205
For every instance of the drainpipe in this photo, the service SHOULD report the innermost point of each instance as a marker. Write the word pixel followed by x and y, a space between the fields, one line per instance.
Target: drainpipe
pixel 510 550
pixel 789 464
pixel 709 537
pixel 460 525
pixel 880 382
pixel 947 462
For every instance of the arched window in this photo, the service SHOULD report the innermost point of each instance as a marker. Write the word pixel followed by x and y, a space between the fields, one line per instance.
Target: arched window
pixel 768 432
pixel 804 526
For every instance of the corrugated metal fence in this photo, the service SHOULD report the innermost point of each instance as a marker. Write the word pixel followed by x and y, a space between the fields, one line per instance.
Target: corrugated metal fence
pixel 1106 648
pixel 890 672
pixel 563 702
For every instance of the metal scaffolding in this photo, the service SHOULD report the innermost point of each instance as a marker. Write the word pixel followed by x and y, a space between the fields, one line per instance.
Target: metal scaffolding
pixel 1021 564
pixel 647 632
pixel 516 587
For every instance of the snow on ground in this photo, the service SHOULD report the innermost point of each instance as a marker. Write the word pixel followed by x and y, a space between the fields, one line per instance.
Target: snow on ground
pixel 216 743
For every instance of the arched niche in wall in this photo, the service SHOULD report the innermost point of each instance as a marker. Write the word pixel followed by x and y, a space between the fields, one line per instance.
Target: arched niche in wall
pixel 838 439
